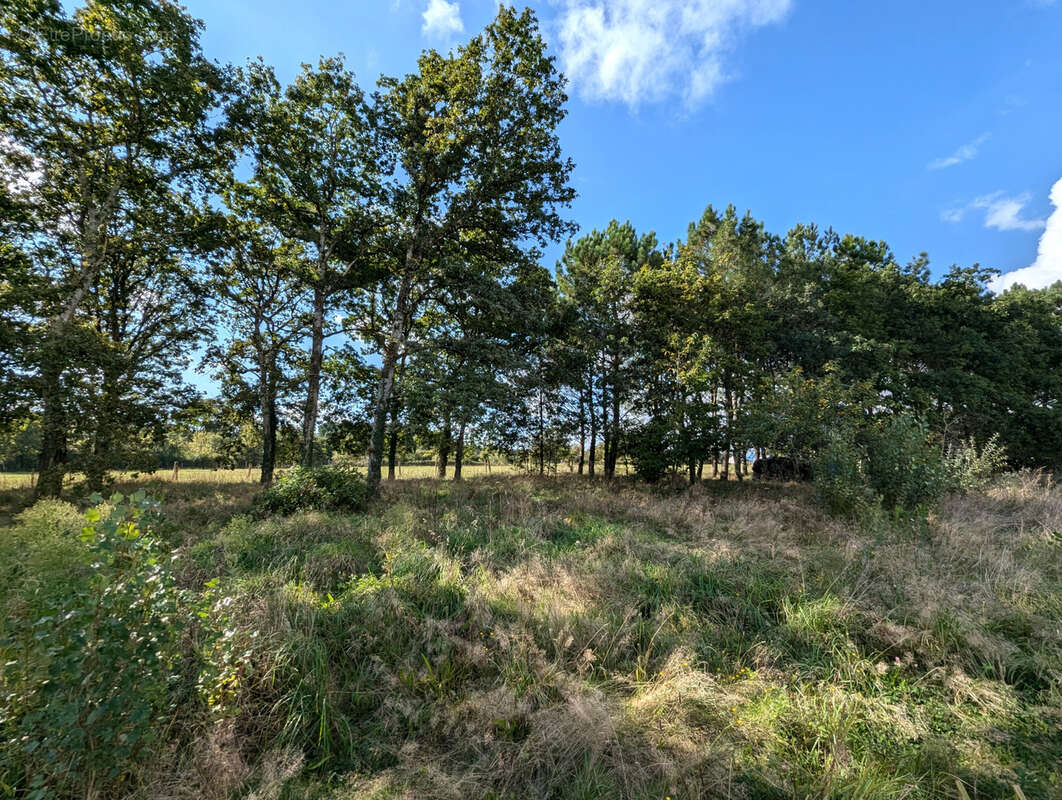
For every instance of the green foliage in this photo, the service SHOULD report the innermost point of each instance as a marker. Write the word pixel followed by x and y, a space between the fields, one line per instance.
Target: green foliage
pixel 41 557
pixel 114 109
pixel 970 468
pixel 840 480
pixel 473 134
pixel 88 685
pixel 650 448
pixel 889 463
pixel 903 467
pixel 317 488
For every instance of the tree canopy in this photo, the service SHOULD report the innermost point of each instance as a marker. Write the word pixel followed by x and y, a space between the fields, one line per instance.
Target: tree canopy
pixel 359 270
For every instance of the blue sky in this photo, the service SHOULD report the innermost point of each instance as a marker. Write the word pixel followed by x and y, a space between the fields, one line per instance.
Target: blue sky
pixel 935 126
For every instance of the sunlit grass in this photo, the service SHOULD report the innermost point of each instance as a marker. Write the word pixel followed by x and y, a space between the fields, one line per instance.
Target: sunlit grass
pixel 524 637
pixel 26 480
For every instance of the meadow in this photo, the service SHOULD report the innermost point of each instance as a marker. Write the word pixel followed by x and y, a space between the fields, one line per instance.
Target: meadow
pixel 194 475
pixel 515 637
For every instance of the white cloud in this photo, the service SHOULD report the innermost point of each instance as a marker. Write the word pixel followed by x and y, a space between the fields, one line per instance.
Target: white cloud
pixel 964 153
pixel 1004 213
pixel 1047 268
pixel 638 51
pixel 442 19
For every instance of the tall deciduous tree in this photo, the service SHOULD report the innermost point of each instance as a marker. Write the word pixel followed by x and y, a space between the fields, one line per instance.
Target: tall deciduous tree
pixel 21 289
pixel 316 179
pixel 109 110
pixel 148 310
pixel 262 298
pixel 480 172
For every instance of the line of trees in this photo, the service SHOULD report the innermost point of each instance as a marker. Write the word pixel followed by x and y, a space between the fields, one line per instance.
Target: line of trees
pixel 359 270
pixel 156 201
pixel 737 341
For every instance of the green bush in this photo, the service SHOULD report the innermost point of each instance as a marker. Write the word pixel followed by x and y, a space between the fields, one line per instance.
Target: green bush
pixel 316 488
pixel 839 474
pixel 890 464
pixel 904 468
pixel 970 469
pixel 651 451
pixel 87 688
pixel 41 557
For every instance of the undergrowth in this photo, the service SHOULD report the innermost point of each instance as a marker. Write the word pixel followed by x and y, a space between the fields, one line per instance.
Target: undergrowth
pixel 515 638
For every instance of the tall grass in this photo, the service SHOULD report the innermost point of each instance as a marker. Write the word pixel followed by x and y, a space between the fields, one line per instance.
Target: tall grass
pixel 521 637
pixel 27 480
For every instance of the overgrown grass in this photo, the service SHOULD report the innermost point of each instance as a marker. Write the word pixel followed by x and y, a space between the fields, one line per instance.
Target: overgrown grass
pixel 26 480
pixel 513 638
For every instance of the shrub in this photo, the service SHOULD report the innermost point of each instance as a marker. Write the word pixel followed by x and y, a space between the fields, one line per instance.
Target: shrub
pixel 316 488
pixel 838 469
pixel 650 450
pixel 904 468
pixel 41 557
pixel 890 463
pixel 970 470
pixel 86 688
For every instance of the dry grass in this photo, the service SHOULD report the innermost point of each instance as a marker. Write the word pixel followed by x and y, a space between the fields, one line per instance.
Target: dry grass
pixel 27 480
pixel 563 638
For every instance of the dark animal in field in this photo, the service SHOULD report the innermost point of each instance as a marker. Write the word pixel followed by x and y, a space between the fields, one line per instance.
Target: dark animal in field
pixel 781 468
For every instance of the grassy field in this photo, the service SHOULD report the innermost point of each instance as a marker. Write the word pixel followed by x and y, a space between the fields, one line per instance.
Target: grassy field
pixel 25 480
pixel 562 638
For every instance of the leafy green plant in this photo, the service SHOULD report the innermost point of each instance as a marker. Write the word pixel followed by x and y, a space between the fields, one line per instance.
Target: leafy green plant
pixel 840 479
pixel 41 557
pixel 316 488
pixel 904 468
pixel 971 469
pixel 889 464
pixel 651 451
pixel 88 687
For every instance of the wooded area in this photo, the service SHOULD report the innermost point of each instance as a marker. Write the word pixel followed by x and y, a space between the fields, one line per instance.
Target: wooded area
pixel 359 271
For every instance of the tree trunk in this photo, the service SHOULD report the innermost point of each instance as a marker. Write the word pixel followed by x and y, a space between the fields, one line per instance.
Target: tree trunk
pixel 51 465
pixel 104 435
pixel 445 440
pixel 731 414
pixel 393 344
pixel 593 428
pixel 582 431
pixel 268 401
pixel 459 453
pixel 725 474
pixel 614 454
pixel 392 440
pixel 605 433
pixel 541 437
pixel 313 384
pixel 392 449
